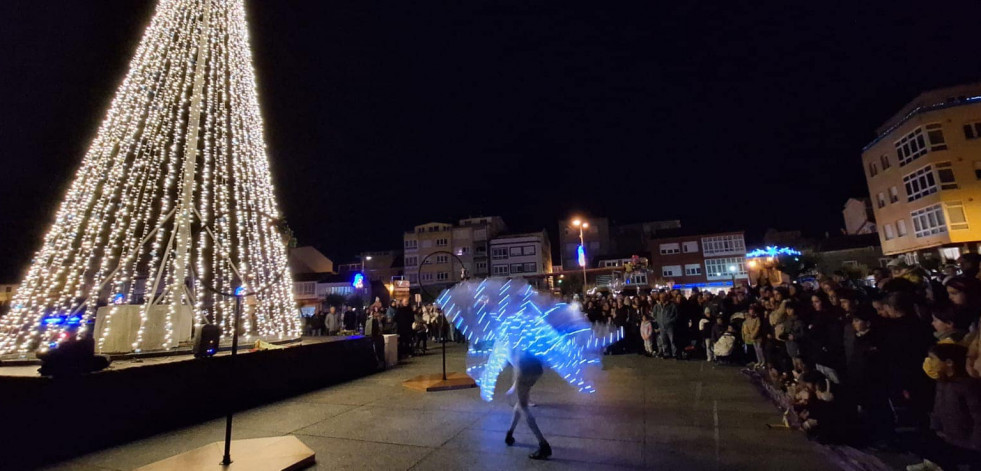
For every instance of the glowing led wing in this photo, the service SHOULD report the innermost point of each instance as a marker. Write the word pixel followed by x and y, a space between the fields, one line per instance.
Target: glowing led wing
pixel 500 317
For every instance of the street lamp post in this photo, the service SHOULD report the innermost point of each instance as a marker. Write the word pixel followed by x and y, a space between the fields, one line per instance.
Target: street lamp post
pixel 582 252
pixel 732 273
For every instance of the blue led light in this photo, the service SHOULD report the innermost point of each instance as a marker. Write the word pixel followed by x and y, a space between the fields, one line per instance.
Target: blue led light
pixel 523 320
pixel 240 291
pixel 772 252
pixel 358 282
pixel 581 252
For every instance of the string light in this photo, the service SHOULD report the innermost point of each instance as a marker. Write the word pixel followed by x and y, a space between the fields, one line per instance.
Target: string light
pixel 186 117
pixel 773 252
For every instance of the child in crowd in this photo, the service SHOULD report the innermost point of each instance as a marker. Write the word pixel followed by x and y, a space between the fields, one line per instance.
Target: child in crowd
pixel 647 333
pixel 706 327
pixel 956 416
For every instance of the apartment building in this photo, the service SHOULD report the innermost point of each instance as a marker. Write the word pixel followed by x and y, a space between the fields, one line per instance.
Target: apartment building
pixel 923 172
pixel 522 255
pixel 688 261
pixel 434 252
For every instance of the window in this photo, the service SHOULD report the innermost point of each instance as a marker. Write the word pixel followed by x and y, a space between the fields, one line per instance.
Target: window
pixel 901 228
pixel 442 276
pixel 929 221
pixel 916 144
pixel 500 270
pixel 481 266
pixel 890 232
pixel 884 159
pixel 442 259
pixel 499 253
pixel 972 130
pixel 517 268
pixel 667 249
pixel 693 269
pixel 531 267
pixel 427 277
pixel 873 170
pixel 718 268
pixel 306 289
pixel 442 242
pixel 411 243
pixel 689 247
pixel 413 278
pixel 956 218
pixel 920 183
pixel 411 261
pixel 670 271
pixel 723 245
pixel 515 251
pixel 462 250
pixel 893 195
pixel 946 176
pixel 528 250
pixel 881 198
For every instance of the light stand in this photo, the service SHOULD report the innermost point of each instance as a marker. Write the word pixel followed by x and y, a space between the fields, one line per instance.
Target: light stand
pixel 445 381
pixel 286 453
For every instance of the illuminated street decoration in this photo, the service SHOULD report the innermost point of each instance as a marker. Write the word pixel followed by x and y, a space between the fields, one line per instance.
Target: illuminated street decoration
pixel 358 282
pixel 581 253
pixel 501 316
pixel 173 195
pixel 773 252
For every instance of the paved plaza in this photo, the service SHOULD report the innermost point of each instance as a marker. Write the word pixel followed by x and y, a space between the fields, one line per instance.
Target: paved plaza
pixel 648 414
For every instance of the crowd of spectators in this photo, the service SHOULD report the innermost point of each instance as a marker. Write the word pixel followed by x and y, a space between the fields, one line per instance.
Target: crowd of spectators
pixel 890 365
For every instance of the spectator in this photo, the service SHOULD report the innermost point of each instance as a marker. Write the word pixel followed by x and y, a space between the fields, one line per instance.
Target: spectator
pixel 332 321
pixel 753 334
pixel 403 323
pixel 666 315
pixel 706 327
pixel 956 416
pixel 647 333
pixel 793 330
pixel 350 318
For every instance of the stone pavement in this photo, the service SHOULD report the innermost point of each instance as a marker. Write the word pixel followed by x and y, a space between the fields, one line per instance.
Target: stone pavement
pixel 648 414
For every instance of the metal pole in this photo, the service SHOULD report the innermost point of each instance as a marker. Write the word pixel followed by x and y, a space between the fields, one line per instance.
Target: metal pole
pixel 227 460
pixel 582 243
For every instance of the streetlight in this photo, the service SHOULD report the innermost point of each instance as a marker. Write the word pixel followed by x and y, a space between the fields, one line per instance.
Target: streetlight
pixel 732 272
pixel 581 252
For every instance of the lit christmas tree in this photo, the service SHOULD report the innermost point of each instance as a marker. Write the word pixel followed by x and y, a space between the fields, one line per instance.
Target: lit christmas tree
pixel 173 201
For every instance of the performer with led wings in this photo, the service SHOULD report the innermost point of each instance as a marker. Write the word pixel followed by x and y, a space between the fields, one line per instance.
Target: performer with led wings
pixel 507 321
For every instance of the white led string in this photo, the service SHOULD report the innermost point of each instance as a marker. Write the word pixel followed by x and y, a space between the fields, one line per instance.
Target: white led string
pixel 116 229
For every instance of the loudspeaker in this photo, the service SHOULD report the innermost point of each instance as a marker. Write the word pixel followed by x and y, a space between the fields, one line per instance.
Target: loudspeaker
pixel 73 357
pixel 206 338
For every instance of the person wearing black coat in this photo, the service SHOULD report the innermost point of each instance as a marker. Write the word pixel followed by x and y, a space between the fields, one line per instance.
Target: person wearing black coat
pixel 404 318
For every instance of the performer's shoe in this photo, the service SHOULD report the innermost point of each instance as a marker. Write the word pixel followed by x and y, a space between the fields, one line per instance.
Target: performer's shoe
pixel 543 451
pixel 509 439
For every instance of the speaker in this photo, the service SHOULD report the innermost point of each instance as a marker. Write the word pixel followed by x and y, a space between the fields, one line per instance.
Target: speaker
pixel 73 357
pixel 206 338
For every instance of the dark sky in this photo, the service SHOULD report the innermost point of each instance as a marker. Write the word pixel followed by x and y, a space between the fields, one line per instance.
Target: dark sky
pixel 382 115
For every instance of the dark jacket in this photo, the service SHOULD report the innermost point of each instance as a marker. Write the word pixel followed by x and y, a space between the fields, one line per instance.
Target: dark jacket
pixel 957 412
pixel 666 314
pixel 403 319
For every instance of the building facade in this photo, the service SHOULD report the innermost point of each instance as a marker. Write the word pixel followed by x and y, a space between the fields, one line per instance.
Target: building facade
pixel 468 242
pixel 858 216
pixel 522 255
pixel 924 174
pixel 699 260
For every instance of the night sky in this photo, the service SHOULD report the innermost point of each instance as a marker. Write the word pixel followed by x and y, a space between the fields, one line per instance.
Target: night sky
pixel 383 115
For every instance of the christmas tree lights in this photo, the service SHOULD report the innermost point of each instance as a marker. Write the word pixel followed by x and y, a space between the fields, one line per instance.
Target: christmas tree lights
pixel 173 199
